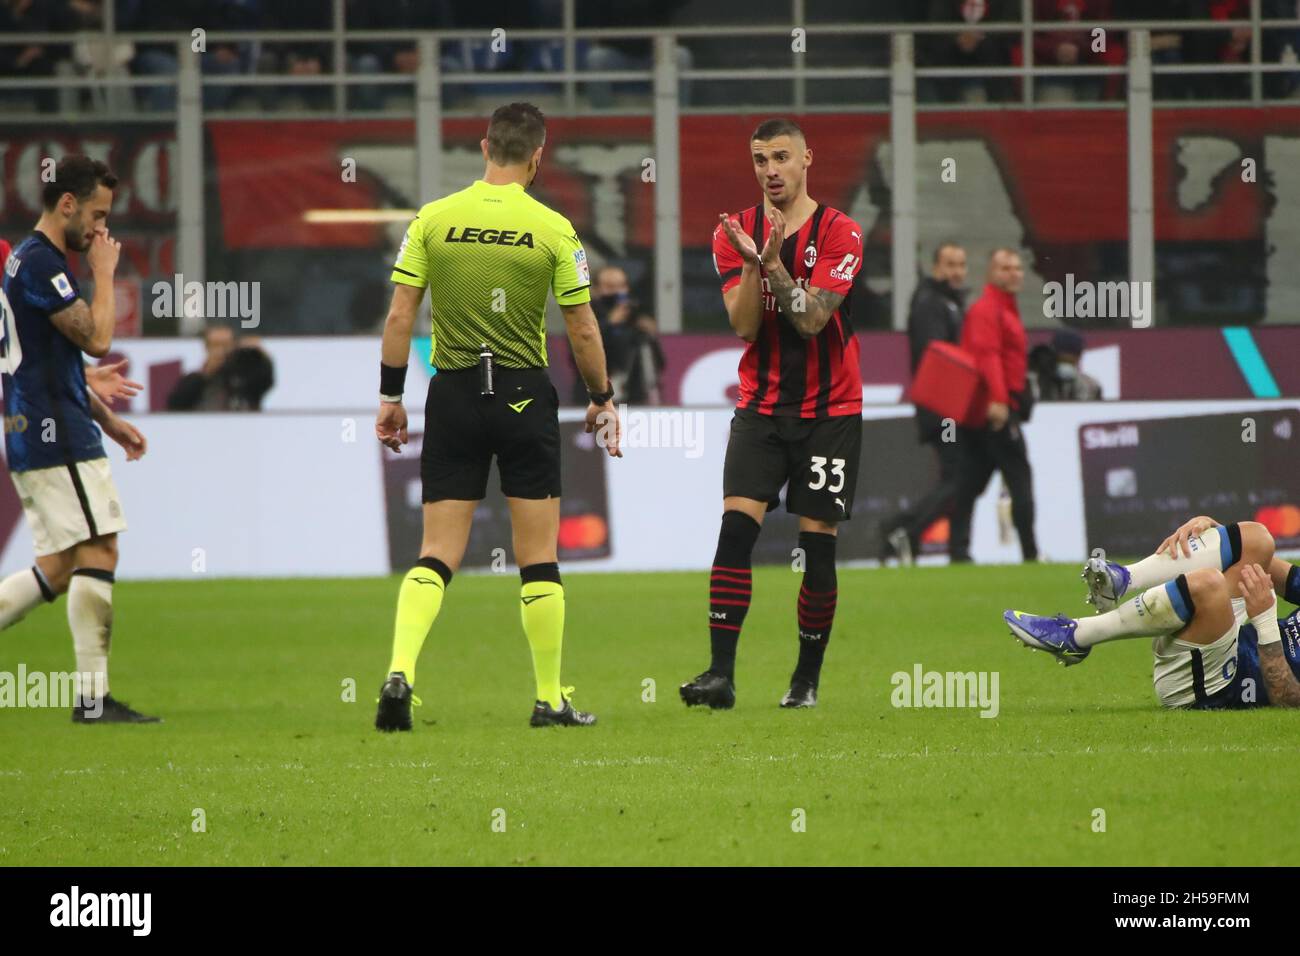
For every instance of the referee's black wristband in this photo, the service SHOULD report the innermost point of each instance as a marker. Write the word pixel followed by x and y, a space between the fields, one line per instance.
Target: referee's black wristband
pixel 392 380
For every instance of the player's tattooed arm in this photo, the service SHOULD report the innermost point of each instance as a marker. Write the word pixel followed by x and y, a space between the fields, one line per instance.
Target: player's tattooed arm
pixel 1281 684
pixel 77 323
pixel 807 309
pixel 827 302
pixel 1256 589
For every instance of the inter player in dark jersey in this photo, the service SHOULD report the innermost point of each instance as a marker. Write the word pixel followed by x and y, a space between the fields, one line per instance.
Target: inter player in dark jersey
pixel 1208 599
pixel 787 267
pixel 53 448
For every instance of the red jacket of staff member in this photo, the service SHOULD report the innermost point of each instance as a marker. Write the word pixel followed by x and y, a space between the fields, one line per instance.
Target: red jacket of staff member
pixel 995 337
pixel 5 249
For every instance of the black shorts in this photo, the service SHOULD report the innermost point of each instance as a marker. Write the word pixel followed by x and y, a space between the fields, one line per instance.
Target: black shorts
pixel 818 457
pixel 463 430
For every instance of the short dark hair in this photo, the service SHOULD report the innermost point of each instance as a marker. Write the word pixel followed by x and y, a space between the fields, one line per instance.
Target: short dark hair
pixel 779 126
pixel 79 175
pixel 514 133
pixel 946 244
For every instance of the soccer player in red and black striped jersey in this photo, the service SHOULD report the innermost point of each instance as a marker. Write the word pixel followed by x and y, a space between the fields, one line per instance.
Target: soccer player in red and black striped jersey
pixel 787 267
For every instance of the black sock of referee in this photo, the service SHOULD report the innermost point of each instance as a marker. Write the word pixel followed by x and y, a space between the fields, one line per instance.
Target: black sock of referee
pixel 817 596
pixel 730 587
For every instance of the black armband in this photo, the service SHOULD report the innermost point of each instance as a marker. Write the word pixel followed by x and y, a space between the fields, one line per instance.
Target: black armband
pixel 600 398
pixel 392 380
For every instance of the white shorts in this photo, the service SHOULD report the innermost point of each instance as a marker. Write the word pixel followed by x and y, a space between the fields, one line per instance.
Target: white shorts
pixel 69 504
pixel 1183 670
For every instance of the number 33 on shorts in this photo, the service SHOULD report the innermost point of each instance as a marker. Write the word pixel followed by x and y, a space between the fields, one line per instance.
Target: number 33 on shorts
pixel 819 478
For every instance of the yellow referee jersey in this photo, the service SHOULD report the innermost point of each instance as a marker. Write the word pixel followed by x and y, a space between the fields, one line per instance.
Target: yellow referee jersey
pixel 489 255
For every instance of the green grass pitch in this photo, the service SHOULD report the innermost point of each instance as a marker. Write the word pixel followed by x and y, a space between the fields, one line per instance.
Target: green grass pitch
pixel 249 676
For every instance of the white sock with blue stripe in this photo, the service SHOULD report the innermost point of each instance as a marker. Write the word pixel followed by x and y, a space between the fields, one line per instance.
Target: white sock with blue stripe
pixel 1218 547
pixel 1163 609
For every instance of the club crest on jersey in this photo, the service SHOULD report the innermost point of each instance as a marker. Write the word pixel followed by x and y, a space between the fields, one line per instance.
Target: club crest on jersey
pixel 810 256
pixel 62 286
pixel 491 237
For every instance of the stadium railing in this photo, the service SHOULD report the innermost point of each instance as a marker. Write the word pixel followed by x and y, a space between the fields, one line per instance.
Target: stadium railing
pixel 430 86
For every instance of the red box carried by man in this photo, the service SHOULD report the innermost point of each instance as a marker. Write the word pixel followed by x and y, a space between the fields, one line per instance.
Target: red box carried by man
pixel 949 383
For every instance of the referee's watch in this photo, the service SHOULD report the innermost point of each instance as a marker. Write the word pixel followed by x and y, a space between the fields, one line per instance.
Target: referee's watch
pixel 601 398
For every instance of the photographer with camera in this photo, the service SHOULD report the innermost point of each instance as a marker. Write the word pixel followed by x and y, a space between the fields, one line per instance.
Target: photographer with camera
pixel 633 355
pixel 1054 372
pixel 235 377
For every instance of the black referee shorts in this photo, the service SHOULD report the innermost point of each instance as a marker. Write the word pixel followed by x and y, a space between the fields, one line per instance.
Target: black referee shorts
pixel 817 457
pixel 463 430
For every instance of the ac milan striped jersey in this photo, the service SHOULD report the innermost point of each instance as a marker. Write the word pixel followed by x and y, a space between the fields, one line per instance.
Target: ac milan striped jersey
pixel 781 372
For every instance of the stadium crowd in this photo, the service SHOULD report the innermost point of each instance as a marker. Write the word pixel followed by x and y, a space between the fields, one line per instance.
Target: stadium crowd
pixel 1069 47
pixel 969 45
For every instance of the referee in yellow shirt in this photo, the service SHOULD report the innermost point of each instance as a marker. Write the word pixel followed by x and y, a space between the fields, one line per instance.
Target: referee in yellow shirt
pixel 489 254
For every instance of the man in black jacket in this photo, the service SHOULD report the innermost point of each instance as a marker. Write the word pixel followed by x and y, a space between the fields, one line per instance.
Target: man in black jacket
pixel 935 315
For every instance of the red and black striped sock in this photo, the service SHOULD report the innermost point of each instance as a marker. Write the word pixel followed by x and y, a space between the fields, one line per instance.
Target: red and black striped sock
pixel 730 587
pixel 817 598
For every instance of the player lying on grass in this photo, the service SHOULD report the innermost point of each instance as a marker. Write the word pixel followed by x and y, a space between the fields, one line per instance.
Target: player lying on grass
pixel 1208 601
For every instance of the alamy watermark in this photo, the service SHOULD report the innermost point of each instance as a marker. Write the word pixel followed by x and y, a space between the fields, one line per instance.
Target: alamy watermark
pixel 75 908
pixel 655 428
pixel 208 300
pixel 1133 302
pixel 922 688
pixel 52 689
